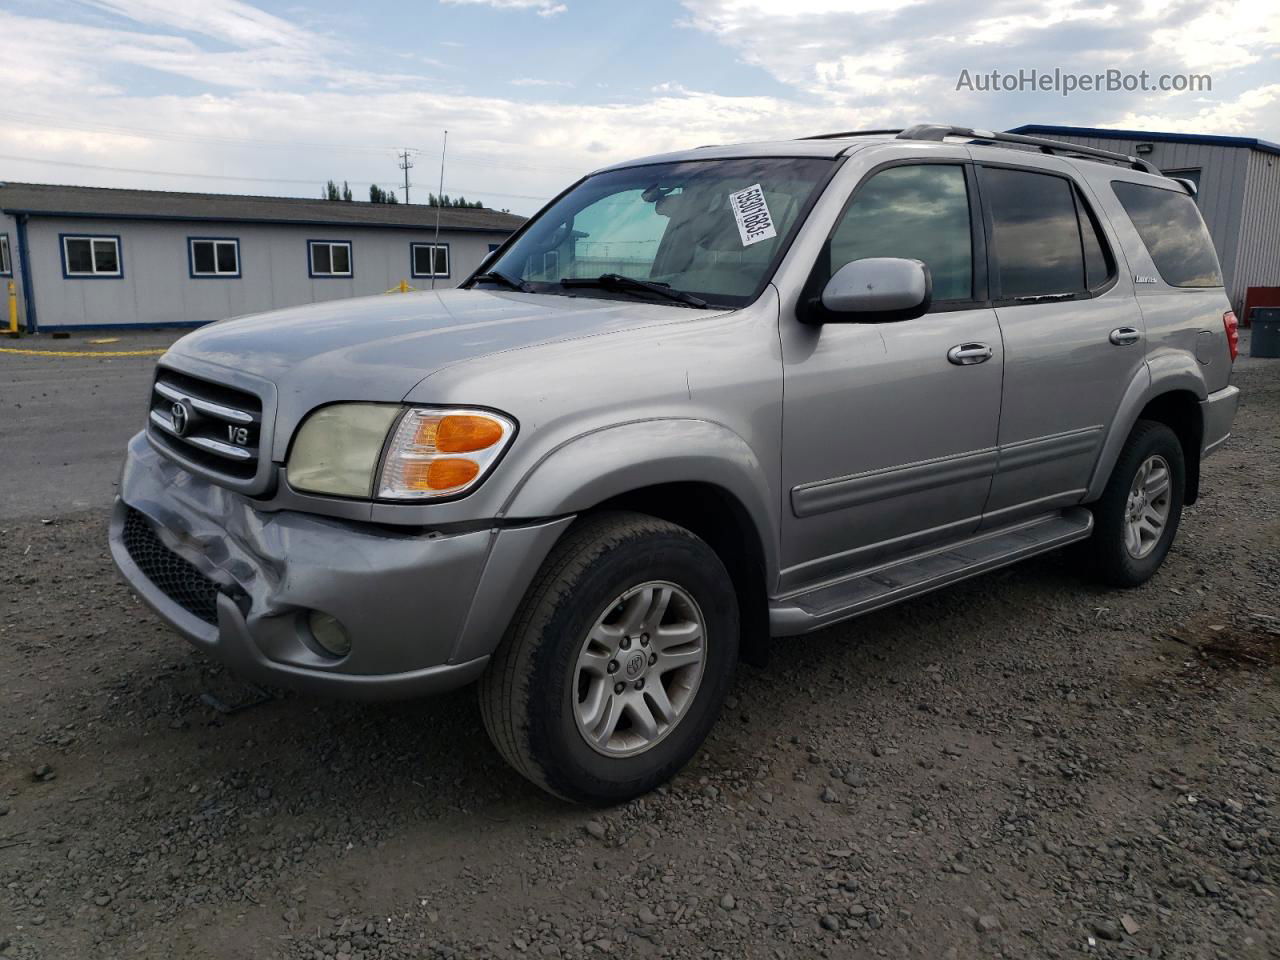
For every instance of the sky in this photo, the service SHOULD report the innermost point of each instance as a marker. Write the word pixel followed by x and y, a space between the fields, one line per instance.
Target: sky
pixel 275 98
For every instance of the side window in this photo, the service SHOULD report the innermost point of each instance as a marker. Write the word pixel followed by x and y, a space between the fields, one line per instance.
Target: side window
pixel 6 261
pixel 920 212
pixel 1171 229
pixel 91 256
pixel 1099 264
pixel 328 258
pixel 1036 241
pixel 429 259
pixel 214 257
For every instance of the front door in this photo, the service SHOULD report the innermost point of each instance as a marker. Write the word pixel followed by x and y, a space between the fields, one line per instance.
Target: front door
pixel 889 444
pixel 1073 338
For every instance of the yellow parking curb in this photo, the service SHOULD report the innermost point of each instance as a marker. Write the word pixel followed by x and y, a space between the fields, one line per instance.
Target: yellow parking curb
pixel 84 353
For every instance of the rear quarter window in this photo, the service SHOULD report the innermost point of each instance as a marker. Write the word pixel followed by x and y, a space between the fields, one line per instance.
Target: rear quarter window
pixel 1173 232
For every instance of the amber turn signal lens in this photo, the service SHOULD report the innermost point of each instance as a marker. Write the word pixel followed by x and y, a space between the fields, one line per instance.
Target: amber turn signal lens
pixel 465 433
pixel 443 474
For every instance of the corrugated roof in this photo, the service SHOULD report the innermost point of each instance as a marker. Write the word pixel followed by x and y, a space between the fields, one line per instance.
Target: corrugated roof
pixel 44 199
pixel 1045 130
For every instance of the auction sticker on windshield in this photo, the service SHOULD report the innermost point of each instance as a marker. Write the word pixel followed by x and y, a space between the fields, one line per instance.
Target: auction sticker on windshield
pixel 752 214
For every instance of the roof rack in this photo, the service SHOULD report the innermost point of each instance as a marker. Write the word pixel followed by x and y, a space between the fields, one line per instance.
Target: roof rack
pixel 939 132
pixel 853 133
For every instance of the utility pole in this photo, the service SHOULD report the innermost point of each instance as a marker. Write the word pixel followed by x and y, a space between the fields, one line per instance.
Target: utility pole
pixel 406 165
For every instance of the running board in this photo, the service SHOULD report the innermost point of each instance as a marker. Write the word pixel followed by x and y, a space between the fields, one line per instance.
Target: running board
pixel 833 602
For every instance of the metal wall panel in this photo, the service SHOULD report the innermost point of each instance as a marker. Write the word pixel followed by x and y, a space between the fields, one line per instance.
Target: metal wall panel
pixel 157 286
pixel 1258 264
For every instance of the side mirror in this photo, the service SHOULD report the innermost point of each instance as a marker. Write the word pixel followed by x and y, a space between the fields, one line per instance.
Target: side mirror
pixel 878 290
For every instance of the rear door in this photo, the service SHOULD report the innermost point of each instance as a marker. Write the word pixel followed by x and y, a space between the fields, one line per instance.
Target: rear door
pixel 1072 332
pixel 888 445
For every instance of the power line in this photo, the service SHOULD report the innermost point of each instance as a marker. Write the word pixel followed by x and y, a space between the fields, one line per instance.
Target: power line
pixel 235 179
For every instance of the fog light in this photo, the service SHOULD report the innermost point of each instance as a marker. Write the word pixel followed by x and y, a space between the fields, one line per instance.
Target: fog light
pixel 329 634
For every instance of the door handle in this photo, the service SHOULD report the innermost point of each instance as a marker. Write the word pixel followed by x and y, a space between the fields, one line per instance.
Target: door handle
pixel 964 354
pixel 1121 336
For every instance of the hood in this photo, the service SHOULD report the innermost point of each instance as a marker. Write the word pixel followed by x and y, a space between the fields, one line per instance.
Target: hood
pixel 387 344
pixel 379 348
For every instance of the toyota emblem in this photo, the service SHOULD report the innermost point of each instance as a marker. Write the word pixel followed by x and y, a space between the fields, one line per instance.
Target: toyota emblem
pixel 181 418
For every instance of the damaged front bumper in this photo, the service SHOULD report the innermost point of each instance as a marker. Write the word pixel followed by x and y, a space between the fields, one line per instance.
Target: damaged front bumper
pixel 240 583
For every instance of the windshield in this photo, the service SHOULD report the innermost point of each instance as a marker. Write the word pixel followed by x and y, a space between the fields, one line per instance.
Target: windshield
pixel 708 228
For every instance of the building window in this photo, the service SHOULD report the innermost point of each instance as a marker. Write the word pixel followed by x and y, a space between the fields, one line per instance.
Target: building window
pixel 91 256
pixel 329 258
pixel 429 259
pixel 494 246
pixel 1192 174
pixel 214 256
pixel 6 260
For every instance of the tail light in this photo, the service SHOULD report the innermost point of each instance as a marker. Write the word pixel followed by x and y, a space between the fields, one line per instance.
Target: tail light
pixel 1232 326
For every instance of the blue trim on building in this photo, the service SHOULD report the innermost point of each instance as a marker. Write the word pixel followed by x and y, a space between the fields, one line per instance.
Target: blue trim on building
pixel 191 259
pixel 351 261
pixel 335 224
pixel 448 261
pixel 62 252
pixel 24 268
pixel 1212 140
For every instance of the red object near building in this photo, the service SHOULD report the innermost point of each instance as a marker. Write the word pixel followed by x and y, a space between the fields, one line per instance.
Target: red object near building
pixel 1258 297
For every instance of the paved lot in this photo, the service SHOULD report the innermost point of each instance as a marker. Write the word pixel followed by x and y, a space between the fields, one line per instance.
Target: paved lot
pixel 1024 766
pixel 65 417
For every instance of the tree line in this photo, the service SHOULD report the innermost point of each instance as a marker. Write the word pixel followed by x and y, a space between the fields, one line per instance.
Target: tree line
pixel 332 191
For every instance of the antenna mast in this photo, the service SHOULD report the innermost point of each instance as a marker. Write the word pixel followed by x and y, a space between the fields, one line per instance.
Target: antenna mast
pixel 435 246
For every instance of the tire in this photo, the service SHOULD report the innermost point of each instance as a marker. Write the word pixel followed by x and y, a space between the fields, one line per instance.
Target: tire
pixel 1115 560
pixel 536 688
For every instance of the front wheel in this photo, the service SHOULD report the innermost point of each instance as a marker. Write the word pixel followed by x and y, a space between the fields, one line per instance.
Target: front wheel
pixel 617 662
pixel 1137 516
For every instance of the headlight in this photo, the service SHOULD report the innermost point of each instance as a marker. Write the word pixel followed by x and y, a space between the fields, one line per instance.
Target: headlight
pixel 336 451
pixel 431 453
pixel 440 453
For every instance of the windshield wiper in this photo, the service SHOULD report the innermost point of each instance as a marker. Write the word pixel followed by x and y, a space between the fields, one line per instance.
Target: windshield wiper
pixel 617 281
pixel 493 276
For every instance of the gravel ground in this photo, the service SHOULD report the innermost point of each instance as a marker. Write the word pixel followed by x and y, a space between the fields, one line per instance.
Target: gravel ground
pixel 1022 766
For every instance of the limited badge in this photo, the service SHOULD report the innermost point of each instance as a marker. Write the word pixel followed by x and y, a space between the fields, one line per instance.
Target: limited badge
pixel 752 214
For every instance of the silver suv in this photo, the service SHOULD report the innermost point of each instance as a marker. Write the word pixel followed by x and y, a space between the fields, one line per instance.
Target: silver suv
pixel 699 401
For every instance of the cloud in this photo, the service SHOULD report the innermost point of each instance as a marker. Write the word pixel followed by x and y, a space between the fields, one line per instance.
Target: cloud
pixel 242 91
pixel 539 82
pixel 227 20
pixel 874 57
pixel 543 8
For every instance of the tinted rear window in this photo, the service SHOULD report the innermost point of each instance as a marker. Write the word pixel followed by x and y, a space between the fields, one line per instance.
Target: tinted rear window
pixel 1175 236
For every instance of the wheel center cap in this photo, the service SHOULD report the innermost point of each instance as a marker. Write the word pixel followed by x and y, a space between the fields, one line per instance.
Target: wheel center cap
pixel 633 666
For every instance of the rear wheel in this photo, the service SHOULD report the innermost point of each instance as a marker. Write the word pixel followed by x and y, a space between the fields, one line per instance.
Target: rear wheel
pixel 1137 516
pixel 617 662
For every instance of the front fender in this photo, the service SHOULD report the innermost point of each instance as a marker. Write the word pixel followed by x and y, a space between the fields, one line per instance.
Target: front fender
pixel 606 463
pixel 1167 373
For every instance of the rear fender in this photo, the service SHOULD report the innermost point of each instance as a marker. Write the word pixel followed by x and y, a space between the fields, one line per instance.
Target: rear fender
pixel 1163 374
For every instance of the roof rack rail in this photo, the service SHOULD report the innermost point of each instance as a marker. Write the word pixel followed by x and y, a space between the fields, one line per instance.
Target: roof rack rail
pixel 939 132
pixel 852 133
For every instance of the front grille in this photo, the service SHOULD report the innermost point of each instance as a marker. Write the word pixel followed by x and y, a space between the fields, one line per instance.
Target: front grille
pixel 178 580
pixel 212 425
